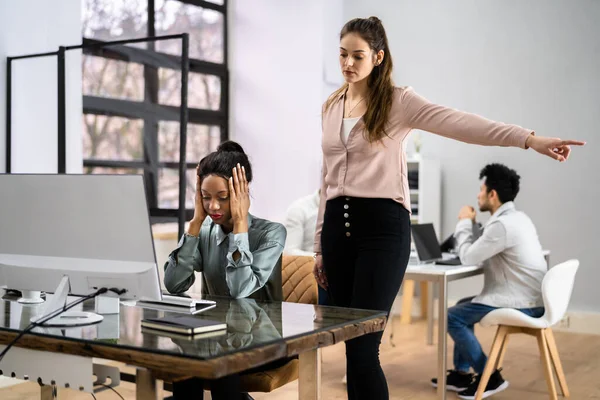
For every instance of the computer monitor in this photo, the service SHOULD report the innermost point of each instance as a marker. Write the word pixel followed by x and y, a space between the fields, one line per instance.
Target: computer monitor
pixel 75 234
pixel 426 242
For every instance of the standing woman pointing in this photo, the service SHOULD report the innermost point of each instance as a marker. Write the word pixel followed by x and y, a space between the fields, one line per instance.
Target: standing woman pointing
pixel 362 241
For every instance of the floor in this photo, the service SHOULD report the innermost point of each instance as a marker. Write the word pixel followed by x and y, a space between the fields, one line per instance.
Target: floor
pixel 411 363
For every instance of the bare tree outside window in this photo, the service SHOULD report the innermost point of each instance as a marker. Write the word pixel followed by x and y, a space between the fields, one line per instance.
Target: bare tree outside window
pixel 124 137
pixel 112 138
pixel 204 26
pixel 204 90
pixel 115 19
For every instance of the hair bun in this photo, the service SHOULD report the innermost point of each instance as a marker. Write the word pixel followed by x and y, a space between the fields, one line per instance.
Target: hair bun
pixel 375 19
pixel 230 146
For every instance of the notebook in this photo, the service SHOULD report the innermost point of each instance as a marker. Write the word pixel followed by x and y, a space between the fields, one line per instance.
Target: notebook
pixel 179 336
pixel 197 309
pixel 183 324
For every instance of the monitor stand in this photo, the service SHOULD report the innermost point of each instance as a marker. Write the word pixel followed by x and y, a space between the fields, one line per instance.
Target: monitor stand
pixel 67 318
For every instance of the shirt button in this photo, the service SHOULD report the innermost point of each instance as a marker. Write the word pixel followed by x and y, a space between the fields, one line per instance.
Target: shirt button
pixel 347 224
pixel 346 206
pixel 347 234
pixel 346 215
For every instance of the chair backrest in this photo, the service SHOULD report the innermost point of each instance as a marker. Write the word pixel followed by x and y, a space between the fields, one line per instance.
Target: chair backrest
pixel 298 282
pixel 557 288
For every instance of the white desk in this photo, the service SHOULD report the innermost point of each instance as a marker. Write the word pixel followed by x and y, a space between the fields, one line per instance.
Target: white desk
pixel 441 275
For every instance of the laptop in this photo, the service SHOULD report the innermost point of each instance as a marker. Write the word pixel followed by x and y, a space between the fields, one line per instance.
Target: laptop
pixel 428 246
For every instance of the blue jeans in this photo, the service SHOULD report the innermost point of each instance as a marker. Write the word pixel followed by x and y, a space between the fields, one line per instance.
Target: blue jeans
pixel 461 327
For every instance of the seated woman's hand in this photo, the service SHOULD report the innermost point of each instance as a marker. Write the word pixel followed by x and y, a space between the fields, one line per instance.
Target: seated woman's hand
pixel 239 199
pixel 199 211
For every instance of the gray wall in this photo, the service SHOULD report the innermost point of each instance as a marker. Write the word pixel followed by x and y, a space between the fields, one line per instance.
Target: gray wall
pixel 534 63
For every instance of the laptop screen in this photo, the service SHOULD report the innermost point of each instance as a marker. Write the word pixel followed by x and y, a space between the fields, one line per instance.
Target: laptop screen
pixel 426 242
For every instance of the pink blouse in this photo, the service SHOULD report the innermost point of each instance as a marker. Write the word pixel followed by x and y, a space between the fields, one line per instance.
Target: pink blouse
pixel 378 170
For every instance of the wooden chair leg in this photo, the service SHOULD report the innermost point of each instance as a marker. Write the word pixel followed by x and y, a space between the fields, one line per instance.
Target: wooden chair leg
pixel 424 299
pixel 546 363
pixel 408 292
pixel 560 374
pixel 491 362
pixel 502 352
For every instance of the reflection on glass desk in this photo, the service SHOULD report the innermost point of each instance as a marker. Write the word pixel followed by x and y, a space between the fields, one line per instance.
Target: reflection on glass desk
pixel 250 324
pixel 257 333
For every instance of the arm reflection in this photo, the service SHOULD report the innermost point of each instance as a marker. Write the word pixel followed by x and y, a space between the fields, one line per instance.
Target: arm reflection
pixel 248 324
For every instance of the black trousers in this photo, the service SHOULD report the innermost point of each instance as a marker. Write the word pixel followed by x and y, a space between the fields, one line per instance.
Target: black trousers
pixel 365 247
pixel 224 388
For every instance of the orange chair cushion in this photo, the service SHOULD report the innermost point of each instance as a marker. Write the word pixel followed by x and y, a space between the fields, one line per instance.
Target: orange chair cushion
pixel 267 381
pixel 299 283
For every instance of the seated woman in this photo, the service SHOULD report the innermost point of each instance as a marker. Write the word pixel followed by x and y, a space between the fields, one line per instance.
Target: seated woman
pixel 238 254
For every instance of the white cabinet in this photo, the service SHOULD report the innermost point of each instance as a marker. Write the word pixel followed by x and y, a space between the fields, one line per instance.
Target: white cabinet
pixel 425 182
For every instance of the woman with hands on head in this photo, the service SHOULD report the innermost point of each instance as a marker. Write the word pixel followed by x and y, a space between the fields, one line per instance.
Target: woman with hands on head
pixel 238 254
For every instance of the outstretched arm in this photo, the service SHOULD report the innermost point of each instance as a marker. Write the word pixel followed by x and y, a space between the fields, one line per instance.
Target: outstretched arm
pixel 472 128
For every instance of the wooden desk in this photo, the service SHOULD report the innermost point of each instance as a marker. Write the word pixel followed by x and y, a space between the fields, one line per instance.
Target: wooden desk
pixel 257 333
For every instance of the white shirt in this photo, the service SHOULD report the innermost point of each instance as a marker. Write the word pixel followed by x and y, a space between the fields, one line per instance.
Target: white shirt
pixel 348 125
pixel 512 256
pixel 300 223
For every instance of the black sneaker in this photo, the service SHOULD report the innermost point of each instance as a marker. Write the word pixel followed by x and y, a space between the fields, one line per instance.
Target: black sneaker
pixel 455 381
pixel 495 385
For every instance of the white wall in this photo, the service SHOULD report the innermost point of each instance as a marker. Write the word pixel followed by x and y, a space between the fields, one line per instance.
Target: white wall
pixel 333 22
pixel 38 26
pixel 277 89
pixel 533 63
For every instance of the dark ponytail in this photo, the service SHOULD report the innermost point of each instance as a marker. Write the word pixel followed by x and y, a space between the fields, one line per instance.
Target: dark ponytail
pixel 221 162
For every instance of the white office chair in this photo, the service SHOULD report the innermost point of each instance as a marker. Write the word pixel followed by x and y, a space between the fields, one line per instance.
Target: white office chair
pixel 557 287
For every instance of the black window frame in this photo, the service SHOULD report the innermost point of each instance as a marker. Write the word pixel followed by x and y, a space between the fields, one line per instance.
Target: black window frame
pixel 151 112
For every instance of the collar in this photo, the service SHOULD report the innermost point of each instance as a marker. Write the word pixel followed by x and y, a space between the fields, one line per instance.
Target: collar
pixel 504 208
pixel 342 94
pixel 221 236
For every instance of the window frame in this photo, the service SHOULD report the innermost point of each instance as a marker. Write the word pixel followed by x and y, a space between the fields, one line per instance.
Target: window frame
pixel 151 112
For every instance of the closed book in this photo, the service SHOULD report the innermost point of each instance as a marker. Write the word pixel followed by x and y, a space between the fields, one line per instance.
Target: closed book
pixel 183 324
pixel 173 335
pixel 197 309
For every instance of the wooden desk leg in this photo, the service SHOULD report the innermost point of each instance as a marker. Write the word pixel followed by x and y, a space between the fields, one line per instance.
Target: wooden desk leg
pixel 424 298
pixel 48 392
pixel 309 379
pixel 408 292
pixel 146 387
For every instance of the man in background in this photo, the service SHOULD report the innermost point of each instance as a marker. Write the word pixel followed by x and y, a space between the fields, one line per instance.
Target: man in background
pixel 514 267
